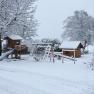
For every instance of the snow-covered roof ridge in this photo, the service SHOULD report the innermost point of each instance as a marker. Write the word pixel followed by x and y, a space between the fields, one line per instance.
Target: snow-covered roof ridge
pixel 15 37
pixel 70 44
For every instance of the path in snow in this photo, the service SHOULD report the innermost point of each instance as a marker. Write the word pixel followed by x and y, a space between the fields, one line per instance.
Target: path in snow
pixel 17 79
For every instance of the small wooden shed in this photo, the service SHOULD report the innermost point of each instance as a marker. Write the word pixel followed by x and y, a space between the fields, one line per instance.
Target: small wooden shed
pixel 13 40
pixel 72 48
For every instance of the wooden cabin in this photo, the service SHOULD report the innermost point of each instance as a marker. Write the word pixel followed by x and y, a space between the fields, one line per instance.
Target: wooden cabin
pixel 72 48
pixel 13 40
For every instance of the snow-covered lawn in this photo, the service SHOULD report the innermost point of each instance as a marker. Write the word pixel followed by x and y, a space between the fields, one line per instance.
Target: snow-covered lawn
pixel 29 77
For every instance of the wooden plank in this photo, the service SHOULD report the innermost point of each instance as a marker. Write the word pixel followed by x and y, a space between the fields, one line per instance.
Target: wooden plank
pixel 67 57
pixel 6 54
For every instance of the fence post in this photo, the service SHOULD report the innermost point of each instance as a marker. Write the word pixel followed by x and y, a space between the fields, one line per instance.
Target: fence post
pixel 74 56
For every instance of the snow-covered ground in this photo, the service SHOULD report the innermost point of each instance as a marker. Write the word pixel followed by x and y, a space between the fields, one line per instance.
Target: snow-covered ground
pixel 28 77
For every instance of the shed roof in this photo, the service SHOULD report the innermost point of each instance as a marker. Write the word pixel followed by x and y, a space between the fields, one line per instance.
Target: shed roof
pixel 70 44
pixel 15 37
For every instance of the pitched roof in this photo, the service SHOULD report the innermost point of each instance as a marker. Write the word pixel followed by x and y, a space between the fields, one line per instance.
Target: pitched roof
pixel 70 44
pixel 15 37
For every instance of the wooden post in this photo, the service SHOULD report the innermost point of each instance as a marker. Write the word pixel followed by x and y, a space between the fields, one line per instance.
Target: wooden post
pixel 52 53
pixel 74 56
pixel 62 57
pixel 17 51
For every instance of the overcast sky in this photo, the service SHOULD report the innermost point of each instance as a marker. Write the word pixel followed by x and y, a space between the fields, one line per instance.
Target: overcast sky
pixel 51 14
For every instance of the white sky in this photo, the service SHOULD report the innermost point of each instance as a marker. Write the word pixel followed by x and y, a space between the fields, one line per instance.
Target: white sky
pixel 51 14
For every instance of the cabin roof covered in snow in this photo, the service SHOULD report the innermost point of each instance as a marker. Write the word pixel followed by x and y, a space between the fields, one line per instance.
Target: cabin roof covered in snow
pixel 70 44
pixel 15 37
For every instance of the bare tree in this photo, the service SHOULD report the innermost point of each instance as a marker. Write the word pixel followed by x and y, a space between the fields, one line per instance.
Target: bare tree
pixel 17 17
pixel 79 26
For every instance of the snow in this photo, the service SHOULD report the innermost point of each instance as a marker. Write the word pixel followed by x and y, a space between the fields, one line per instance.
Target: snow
pixel 70 44
pixel 26 76
pixel 15 37
pixel 4 55
pixel 4 43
